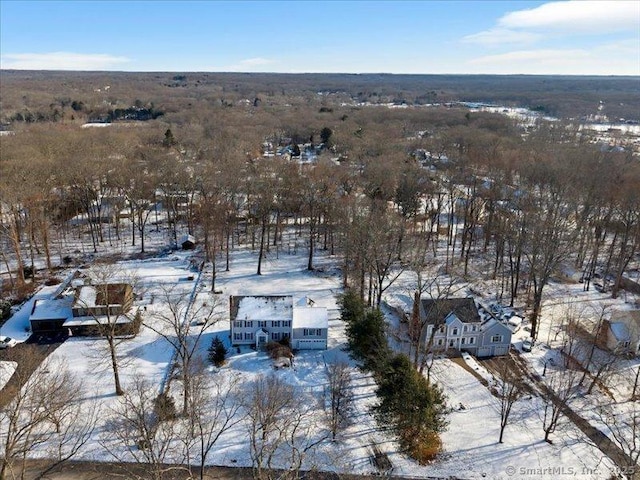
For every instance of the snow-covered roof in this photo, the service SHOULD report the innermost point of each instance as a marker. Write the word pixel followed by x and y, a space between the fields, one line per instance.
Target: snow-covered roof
pixel 93 295
pixel 52 308
pixel 265 308
pixel 620 331
pixel 188 238
pixel 94 320
pixel 87 295
pixel 310 317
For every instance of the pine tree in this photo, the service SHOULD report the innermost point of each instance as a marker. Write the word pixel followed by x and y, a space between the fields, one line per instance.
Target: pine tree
pixel 217 352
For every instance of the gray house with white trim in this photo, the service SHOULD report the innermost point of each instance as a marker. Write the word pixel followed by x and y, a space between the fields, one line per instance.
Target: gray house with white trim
pixel 454 324
pixel 257 320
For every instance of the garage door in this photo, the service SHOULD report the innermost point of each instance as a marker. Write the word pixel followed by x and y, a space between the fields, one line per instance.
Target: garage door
pixel 484 352
pixel 312 344
pixel 500 350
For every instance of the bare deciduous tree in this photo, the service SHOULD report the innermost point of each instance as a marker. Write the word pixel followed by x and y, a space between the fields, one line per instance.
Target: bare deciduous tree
pixel 510 389
pixel 339 401
pixel 137 431
pixel 280 424
pixel 182 324
pixel 42 411
pixel 213 410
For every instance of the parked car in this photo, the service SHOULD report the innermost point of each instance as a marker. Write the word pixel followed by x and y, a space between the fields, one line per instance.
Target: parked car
pixel 7 342
pixel 527 345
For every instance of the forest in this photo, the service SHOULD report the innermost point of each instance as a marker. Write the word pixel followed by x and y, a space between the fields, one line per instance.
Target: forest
pixel 377 192
pixel 387 175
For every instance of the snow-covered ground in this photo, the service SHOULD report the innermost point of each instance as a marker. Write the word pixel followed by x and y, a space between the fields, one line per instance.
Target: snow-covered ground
pixel 6 370
pixel 471 449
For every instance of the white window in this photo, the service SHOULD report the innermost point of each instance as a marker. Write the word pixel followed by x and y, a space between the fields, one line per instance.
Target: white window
pixel 455 331
pixel 472 340
pixel 464 328
pixel 262 323
pixel 473 328
pixel 440 341
pixel 237 336
pixel 451 343
pixel 237 324
pixel 248 336
pixel 442 328
pixel 248 324
pixel 286 323
pixel 463 341
pixel 496 339
pixel 275 323
pixel 275 336
pixel 311 332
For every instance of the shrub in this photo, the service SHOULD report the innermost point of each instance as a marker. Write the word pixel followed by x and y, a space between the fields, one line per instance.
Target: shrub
pixel 425 448
pixel 277 350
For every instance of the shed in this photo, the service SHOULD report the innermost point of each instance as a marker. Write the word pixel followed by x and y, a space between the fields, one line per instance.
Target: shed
pixel 188 242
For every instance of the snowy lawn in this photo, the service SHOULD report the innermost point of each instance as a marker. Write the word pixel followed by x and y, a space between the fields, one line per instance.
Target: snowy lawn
pixel 6 371
pixel 470 443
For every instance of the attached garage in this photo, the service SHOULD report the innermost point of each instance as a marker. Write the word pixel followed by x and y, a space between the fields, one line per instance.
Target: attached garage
pixel 484 352
pixel 310 344
pixel 500 350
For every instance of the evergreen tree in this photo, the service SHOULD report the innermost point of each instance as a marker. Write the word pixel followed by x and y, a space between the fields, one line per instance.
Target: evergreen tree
pixel 325 135
pixel 217 352
pixel 367 341
pixel 351 307
pixel 413 408
pixel 169 139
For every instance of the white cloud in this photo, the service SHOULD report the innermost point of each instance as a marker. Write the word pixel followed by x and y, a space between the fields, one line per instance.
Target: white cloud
pixel 253 62
pixel 556 19
pixel 500 36
pixel 609 59
pixel 60 61
pixel 597 17
pixel 256 64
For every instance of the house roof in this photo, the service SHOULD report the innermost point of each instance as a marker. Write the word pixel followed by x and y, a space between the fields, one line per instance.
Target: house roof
pixel 310 317
pixel 52 308
pixel 620 331
pixel 187 238
pixel 435 311
pixel 96 320
pixel 93 295
pixel 266 307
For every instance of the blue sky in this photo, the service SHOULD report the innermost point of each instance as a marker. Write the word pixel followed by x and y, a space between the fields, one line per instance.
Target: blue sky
pixel 504 37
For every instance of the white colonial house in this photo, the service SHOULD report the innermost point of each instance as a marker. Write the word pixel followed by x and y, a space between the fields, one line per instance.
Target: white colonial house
pixel 257 320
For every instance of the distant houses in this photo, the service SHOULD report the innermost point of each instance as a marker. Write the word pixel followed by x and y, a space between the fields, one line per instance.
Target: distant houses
pixel 258 320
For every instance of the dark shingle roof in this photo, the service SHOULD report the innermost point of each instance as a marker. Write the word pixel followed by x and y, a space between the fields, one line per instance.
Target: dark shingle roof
pixel 435 311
